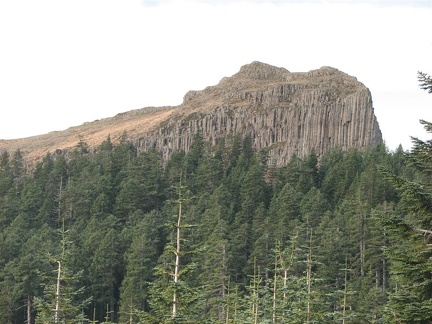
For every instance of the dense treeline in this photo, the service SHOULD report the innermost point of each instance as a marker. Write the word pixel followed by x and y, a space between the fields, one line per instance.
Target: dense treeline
pixel 96 236
pixel 216 235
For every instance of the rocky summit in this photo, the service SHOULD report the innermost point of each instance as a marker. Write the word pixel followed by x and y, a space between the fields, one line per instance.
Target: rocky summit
pixel 287 113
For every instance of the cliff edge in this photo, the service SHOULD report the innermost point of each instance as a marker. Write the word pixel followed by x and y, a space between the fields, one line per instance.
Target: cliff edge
pixel 285 112
pixel 282 111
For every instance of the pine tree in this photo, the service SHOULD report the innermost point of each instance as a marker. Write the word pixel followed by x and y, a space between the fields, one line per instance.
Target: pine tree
pixel 141 259
pixel 61 302
pixel 172 298
pixel 27 270
pixel 100 257
pixel 410 231
pixel 284 213
pixel 6 177
pixel 105 272
pixel 252 194
pixel 212 256
pixel 425 81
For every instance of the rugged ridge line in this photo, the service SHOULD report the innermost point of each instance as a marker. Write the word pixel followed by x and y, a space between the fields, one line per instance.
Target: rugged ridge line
pixel 288 113
pixel 283 111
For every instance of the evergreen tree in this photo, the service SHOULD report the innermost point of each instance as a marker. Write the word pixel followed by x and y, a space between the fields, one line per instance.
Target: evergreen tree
pixel 61 302
pixel 425 81
pixel 27 270
pixel 252 194
pixel 338 171
pixel 141 259
pixel 313 206
pixel 409 232
pixel 262 241
pixel 106 274
pixel 172 299
pixel 9 298
pixel 193 160
pixel 6 177
pixel 247 259
pixel 101 259
pixel 284 213
pixel 212 256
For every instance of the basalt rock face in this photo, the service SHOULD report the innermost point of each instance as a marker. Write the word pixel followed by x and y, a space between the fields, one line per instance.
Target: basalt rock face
pixel 285 112
pixel 281 111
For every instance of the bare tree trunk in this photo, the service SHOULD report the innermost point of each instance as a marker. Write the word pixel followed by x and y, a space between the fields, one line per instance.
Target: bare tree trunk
pixel 221 311
pixel 131 310
pixel 177 261
pixel 57 305
pixel 255 294
pixel 362 243
pixel 228 303
pixel 345 291
pixel 274 291
pixel 29 304
pixel 235 303
pixel 384 275
pixel 362 257
pixel 285 284
pixel 309 279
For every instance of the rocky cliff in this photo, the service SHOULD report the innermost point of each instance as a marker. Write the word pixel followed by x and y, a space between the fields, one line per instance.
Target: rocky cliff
pixel 285 112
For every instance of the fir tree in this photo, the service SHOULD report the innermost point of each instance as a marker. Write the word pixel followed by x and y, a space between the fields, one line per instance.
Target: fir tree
pixel 410 231
pixel 172 298
pixel 61 302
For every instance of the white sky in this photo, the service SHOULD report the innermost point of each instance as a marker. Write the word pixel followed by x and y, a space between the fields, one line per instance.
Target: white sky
pixel 63 63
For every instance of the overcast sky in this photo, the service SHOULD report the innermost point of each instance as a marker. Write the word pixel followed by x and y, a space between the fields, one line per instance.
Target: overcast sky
pixel 63 63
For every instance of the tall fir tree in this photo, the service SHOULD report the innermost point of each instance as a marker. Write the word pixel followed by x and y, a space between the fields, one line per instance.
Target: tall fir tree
pixel 62 300
pixel 410 233
pixel 141 259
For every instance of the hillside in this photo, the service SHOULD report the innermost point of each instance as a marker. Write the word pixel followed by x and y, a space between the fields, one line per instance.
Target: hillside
pixel 282 111
pixel 133 122
pixel 216 235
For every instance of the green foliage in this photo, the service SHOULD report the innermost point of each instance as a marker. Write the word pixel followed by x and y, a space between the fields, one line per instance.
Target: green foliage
pixel 61 301
pixel 247 254
pixel 425 81
pixel 408 228
pixel 141 259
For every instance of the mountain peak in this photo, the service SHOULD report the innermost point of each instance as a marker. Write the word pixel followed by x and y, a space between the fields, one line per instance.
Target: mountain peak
pixel 261 71
pixel 283 112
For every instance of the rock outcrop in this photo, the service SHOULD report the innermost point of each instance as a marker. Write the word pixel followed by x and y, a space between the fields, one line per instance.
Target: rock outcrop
pixel 283 111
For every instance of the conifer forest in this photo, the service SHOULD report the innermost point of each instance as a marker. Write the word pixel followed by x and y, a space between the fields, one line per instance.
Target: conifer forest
pixel 217 235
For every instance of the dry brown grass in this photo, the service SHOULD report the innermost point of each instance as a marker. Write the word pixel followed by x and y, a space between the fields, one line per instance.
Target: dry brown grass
pixel 134 123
